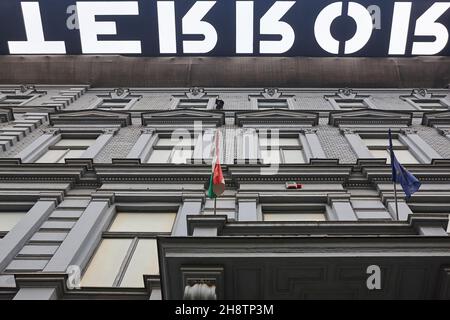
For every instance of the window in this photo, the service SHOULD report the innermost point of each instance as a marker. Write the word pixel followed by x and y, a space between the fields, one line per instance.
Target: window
pixel 294 216
pixel 294 213
pixel 172 150
pixel 128 250
pixel 429 104
pixel 424 100
pixel 351 104
pixel 370 209
pixel 379 149
pixel 347 99
pixel 281 150
pixel 272 103
pixel 117 103
pixel 64 149
pixel 17 99
pixel 8 219
pixel 193 103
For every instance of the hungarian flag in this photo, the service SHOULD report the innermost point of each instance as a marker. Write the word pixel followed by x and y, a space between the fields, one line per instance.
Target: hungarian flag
pixel 216 181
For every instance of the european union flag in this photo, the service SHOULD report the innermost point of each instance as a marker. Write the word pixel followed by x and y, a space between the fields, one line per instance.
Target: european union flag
pixel 407 180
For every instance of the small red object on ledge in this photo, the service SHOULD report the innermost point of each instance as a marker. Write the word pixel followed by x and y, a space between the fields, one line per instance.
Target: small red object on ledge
pixel 293 185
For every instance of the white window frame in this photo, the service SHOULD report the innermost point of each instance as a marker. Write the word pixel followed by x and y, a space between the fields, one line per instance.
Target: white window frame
pixel 172 148
pixel 280 148
pixel 127 105
pixel 134 236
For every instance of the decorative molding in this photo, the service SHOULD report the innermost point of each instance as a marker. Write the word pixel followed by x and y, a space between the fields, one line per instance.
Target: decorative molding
pixel 120 93
pixel 200 291
pixel 51 131
pixel 25 90
pixel 309 130
pixel 180 117
pixel 96 117
pixel 6 115
pixel 407 131
pixel 276 117
pixel 202 282
pixel 435 119
pixel 421 93
pixel 148 131
pixel 347 131
pixel 369 117
pixel 271 93
pixel 109 131
pixel 424 95
pixel 196 93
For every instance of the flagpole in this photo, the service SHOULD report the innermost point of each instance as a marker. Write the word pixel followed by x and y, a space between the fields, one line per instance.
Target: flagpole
pixel 215 204
pixel 396 202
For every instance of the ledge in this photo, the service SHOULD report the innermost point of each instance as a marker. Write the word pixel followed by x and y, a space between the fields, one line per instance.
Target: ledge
pixel 330 72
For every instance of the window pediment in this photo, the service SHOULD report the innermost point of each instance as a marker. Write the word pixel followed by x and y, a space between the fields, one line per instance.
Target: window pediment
pixel 100 117
pixel 367 117
pixel 6 115
pixel 436 118
pixel 183 116
pixel 277 117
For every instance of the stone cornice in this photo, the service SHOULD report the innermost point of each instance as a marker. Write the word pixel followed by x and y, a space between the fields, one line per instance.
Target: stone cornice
pixel 276 117
pixel 436 118
pixel 6 115
pixel 369 117
pixel 324 170
pixel 96 117
pixel 183 117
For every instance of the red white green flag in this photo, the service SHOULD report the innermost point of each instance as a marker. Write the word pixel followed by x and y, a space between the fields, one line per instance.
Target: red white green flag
pixel 216 181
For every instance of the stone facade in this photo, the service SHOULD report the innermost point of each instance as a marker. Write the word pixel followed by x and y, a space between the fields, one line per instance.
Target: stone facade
pixel 71 206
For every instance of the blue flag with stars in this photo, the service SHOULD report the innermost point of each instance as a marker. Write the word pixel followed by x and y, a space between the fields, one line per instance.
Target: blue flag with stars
pixel 406 179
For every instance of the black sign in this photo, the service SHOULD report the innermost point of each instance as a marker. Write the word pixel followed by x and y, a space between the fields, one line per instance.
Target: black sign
pixel 377 28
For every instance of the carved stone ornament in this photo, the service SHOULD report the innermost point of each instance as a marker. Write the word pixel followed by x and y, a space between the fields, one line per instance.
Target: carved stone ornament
pixel 309 131
pixel 51 131
pixel 409 131
pixel 25 90
pixel 347 131
pixel 271 93
pixel 195 92
pixel 109 131
pixel 346 93
pixel 200 291
pixel 421 93
pixel 147 131
pixel 120 93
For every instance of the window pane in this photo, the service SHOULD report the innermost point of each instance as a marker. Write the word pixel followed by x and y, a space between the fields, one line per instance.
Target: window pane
pixel 159 156
pixel 77 153
pixel 290 141
pixel 382 142
pixel 180 156
pixel 381 154
pixel 294 217
pixel 193 103
pixel 52 156
pixel 105 265
pixel 9 219
pixel 75 142
pixel 176 141
pixel 293 156
pixel 144 261
pixel 143 222
pixel 270 156
pixel 272 103
pixel 281 142
pixel 405 156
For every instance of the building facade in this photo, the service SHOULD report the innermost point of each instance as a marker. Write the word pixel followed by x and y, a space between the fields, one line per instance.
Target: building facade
pixel 103 193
